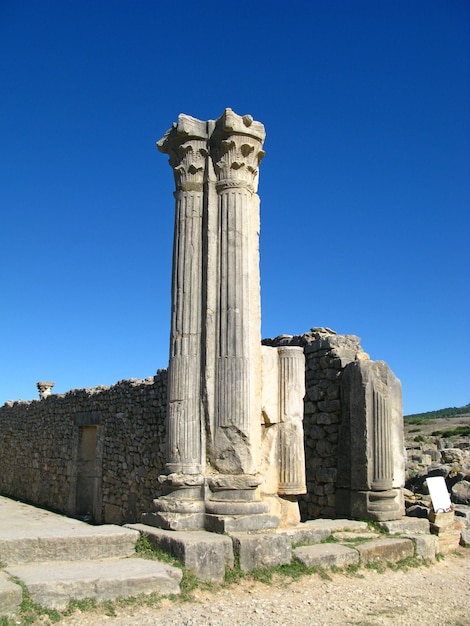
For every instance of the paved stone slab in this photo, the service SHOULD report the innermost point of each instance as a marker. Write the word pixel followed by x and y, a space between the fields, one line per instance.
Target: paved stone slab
pixel 303 533
pixel 326 555
pixel 261 550
pixel 406 525
pixel 204 554
pixel 337 525
pixel 10 596
pixel 29 534
pixel 348 535
pixel 385 550
pixel 426 546
pixel 54 584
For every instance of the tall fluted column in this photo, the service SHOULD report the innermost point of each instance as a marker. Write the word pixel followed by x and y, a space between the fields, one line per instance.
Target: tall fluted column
pixel 236 151
pixel 186 145
pixel 183 505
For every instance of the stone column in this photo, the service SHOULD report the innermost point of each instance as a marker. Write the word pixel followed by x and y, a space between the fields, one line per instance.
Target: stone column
pixel 186 145
pixel 370 447
pixel 291 433
pixel 236 150
pixel 44 388
pixel 234 504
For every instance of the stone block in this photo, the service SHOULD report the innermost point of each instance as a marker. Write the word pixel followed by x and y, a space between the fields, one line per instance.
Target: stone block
pixel 406 524
pixel 10 596
pixel 326 555
pixel 240 523
pixel 465 537
pixel 204 554
pixel 463 511
pixel 337 525
pixel 426 546
pixel 261 550
pixel 385 550
pixel 449 538
pixel 54 584
pixel 351 536
pixel 304 533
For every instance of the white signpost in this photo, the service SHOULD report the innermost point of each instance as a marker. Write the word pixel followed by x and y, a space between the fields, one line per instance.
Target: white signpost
pixel 439 495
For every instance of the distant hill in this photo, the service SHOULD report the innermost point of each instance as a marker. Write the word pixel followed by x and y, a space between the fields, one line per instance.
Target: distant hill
pixel 441 413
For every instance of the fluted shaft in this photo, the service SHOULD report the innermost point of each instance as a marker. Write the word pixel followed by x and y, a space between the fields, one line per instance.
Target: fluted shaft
pixel 382 478
pixel 291 439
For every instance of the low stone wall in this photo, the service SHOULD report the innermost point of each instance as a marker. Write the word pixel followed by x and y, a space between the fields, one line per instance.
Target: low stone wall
pixel 100 449
pixel 110 441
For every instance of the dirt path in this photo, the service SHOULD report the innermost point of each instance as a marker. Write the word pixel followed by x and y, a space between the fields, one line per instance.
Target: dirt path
pixel 438 595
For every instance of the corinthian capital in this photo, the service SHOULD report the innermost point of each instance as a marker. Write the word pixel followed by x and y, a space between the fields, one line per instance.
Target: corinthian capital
pixel 186 145
pixel 236 150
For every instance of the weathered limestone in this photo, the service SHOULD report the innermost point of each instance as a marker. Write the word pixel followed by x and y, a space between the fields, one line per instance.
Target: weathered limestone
pixel 326 555
pixel 44 388
pixel 261 550
pixel 385 550
pixel 215 419
pixel 204 554
pixel 371 464
pixel 53 585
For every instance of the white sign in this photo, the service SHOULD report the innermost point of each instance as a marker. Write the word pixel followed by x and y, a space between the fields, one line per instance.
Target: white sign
pixel 439 494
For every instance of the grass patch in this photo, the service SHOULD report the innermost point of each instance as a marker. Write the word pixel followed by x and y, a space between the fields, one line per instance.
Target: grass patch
pixel 458 431
pixel 377 566
pixel 30 611
pixel 410 562
pixel 377 528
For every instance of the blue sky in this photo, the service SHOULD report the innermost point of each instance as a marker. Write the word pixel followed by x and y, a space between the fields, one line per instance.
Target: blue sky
pixel 365 187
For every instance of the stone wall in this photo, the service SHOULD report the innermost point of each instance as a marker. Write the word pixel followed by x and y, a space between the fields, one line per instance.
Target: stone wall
pixel 90 452
pixel 45 443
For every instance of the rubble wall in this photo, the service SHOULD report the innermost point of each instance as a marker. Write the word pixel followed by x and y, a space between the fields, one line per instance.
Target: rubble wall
pixel 40 441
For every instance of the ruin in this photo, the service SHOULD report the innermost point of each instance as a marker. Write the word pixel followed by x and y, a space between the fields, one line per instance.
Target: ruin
pixel 239 434
pixel 216 424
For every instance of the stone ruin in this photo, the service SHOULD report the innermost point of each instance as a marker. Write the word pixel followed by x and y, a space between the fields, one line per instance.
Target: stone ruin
pixel 235 408
pixel 239 434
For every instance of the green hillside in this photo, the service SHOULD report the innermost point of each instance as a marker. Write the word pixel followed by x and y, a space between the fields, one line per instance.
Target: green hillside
pixel 441 413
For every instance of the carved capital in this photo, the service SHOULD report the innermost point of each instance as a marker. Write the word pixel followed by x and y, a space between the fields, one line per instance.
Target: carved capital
pixel 186 145
pixel 236 150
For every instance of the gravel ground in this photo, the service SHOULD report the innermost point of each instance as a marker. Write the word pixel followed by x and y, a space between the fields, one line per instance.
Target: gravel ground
pixel 438 595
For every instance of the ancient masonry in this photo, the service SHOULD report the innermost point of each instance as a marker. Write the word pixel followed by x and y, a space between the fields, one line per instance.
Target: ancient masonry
pixel 239 431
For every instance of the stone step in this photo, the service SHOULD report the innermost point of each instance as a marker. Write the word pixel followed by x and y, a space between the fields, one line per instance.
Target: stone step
pixel 10 596
pixel 75 541
pixel 339 555
pixel 326 555
pixel 54 584
pixel 204 554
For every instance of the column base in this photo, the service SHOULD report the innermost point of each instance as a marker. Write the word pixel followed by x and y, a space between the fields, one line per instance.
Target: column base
pixel 174 521
pixel 233 523
pixel 377 506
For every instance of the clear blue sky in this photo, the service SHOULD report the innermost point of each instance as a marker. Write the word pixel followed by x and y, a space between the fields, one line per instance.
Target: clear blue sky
pixel 365 187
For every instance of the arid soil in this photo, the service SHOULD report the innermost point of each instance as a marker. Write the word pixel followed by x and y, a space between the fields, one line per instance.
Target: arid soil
pixel 438 595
